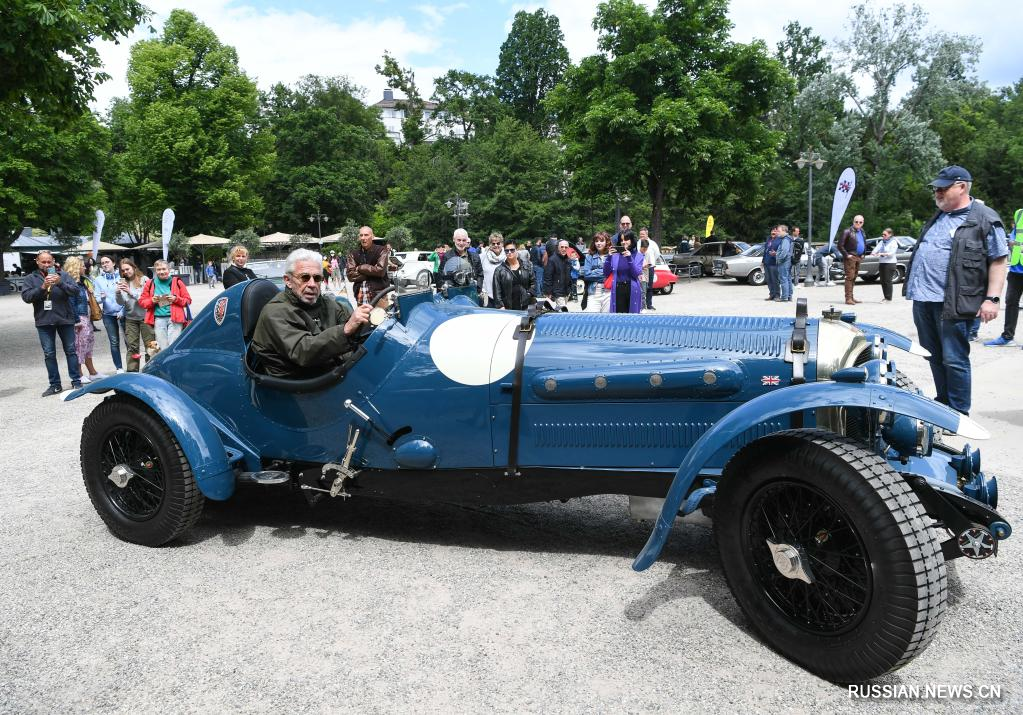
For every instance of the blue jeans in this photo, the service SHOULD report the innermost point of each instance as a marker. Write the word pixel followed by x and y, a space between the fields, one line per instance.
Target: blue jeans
pixel 949 344
pixel 785 279
pixel 771 272
pixel 48 339
pixel 112 326
pixel 538 274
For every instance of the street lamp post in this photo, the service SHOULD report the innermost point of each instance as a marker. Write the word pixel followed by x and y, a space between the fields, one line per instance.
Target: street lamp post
pixel 317 217
pixel 811 159
pixel 460 208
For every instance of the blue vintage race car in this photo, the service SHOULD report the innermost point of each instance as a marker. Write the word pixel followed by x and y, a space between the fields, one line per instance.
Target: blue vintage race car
pixel 835 503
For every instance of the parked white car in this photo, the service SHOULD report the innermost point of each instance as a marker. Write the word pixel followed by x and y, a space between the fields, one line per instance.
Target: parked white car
pixel 416 269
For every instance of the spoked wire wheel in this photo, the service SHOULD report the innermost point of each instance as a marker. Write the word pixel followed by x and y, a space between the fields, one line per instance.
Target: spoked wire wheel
pixel 125 448
pixel 136 474
pixel 822 542
pixel 830 554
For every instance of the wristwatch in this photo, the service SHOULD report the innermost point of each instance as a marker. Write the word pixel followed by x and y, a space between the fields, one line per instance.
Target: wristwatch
pixel 993 298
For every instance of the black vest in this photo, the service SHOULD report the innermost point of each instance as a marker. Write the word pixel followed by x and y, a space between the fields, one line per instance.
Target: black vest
pixel 966 280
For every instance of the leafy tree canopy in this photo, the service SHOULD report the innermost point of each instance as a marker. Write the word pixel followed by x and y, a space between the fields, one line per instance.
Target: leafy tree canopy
pixel 190 135
pixel 672 107
pixel 47 55
pixel 532 61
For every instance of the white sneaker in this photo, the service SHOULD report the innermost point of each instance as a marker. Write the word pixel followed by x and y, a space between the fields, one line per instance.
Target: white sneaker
pixel 85 380
pixel 97 376
pixel 119 371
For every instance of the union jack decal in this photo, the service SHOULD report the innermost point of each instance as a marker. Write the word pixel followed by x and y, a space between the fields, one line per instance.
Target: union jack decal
pixel 770 380
pixel 845 187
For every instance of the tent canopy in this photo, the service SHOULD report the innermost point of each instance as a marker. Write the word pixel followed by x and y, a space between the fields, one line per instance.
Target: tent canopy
pixel 202 239
pixel 86 247
pixel 275 239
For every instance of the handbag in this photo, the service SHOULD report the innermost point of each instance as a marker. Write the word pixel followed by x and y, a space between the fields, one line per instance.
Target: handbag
pixel 609 281
pixel 95 313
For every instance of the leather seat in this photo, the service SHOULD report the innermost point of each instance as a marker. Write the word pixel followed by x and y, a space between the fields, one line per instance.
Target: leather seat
pixel 257 294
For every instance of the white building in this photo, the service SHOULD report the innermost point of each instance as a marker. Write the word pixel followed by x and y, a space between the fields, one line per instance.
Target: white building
pixel 392 117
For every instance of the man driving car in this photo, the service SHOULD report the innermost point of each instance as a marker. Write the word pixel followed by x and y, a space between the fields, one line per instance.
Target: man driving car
pixel 301 333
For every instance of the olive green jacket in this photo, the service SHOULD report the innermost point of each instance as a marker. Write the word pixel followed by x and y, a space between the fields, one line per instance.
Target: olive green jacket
pixel 298 341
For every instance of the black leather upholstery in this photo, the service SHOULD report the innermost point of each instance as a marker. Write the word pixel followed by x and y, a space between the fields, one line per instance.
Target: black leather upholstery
pixel 257 294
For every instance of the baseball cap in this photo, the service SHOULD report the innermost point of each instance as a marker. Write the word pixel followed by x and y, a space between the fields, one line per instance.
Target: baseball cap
pixel 949 175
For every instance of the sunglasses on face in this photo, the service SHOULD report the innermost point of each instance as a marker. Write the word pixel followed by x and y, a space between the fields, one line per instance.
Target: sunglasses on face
pixel 942 189
pixel 509 250
pixel 303 278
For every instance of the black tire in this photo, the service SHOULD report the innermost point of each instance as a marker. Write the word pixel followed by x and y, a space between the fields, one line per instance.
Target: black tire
pixel 756 277
pixel 696 270
pixel 880 584
pixel 424 278
pixel 900 273
pixel 902 380
pixel 161 501
pixel 666 290
pixel 873 278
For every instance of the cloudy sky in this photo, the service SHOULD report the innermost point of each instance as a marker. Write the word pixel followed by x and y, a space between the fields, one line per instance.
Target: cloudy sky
pixel 280 41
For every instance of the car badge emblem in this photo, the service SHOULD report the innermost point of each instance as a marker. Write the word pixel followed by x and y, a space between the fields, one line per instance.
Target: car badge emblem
pixel 220 310
pixel 770 380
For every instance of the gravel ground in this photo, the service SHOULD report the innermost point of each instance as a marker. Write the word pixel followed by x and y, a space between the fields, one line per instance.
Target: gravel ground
pixel 376 606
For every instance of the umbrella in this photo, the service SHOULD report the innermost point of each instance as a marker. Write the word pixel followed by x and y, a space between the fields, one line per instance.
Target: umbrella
pixel 276 239
pixel 86 247
pixel 203 239
pixel 332 238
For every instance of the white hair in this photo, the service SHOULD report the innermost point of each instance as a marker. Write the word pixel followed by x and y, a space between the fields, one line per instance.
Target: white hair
pixel 459 233
pixel 301 254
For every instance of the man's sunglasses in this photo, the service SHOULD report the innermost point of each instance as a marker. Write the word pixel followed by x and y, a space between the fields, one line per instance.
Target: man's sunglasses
pixel 943 189
pixel 304 277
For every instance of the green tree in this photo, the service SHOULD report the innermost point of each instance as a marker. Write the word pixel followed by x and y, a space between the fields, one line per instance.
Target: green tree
pixel 399 238
pixel 892 144
pixel 333 154
pixel 191 135
pixel 413 131
pixel 802 53
pixel 248 238
pixel 427 176
pixel 47 53
pixel 467 101
pixel 672 107
pixel 532 61
pixel 984 133
pixel 49 173
pixel 515 183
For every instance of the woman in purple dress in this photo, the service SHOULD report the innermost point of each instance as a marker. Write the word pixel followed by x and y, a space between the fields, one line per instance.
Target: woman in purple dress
pixel 625 264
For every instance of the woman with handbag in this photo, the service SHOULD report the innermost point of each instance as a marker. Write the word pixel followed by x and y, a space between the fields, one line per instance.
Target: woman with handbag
pixel 87 310
pixel 624 266
pixel 165 299
pixel 137 333
pixel 593 271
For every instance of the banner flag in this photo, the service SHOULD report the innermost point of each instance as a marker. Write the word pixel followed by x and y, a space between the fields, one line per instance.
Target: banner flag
pixel 100 219
pixel 843 193
pixel 168 228
pixel 710 226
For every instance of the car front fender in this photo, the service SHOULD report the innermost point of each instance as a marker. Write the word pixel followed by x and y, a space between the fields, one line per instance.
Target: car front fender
pixel 895 340
pixel 786 400
pixel 199 440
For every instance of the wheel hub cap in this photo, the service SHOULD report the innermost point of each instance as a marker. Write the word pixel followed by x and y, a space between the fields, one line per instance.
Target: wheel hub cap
pixel 789 561
pixel 120 475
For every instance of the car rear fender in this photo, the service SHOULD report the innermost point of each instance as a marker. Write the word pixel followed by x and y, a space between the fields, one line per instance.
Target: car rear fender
pixel 199 440
pixel 895 340
pixel 786 400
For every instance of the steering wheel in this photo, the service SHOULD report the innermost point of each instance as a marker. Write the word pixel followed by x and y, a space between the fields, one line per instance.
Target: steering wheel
pixel 378 315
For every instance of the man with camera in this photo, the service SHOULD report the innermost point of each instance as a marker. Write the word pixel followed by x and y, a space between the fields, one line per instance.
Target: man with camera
pixel 462 266
pixel 52 293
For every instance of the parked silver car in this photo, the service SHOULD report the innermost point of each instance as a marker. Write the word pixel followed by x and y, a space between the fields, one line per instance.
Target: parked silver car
pixel 701 261
pixel 747 266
